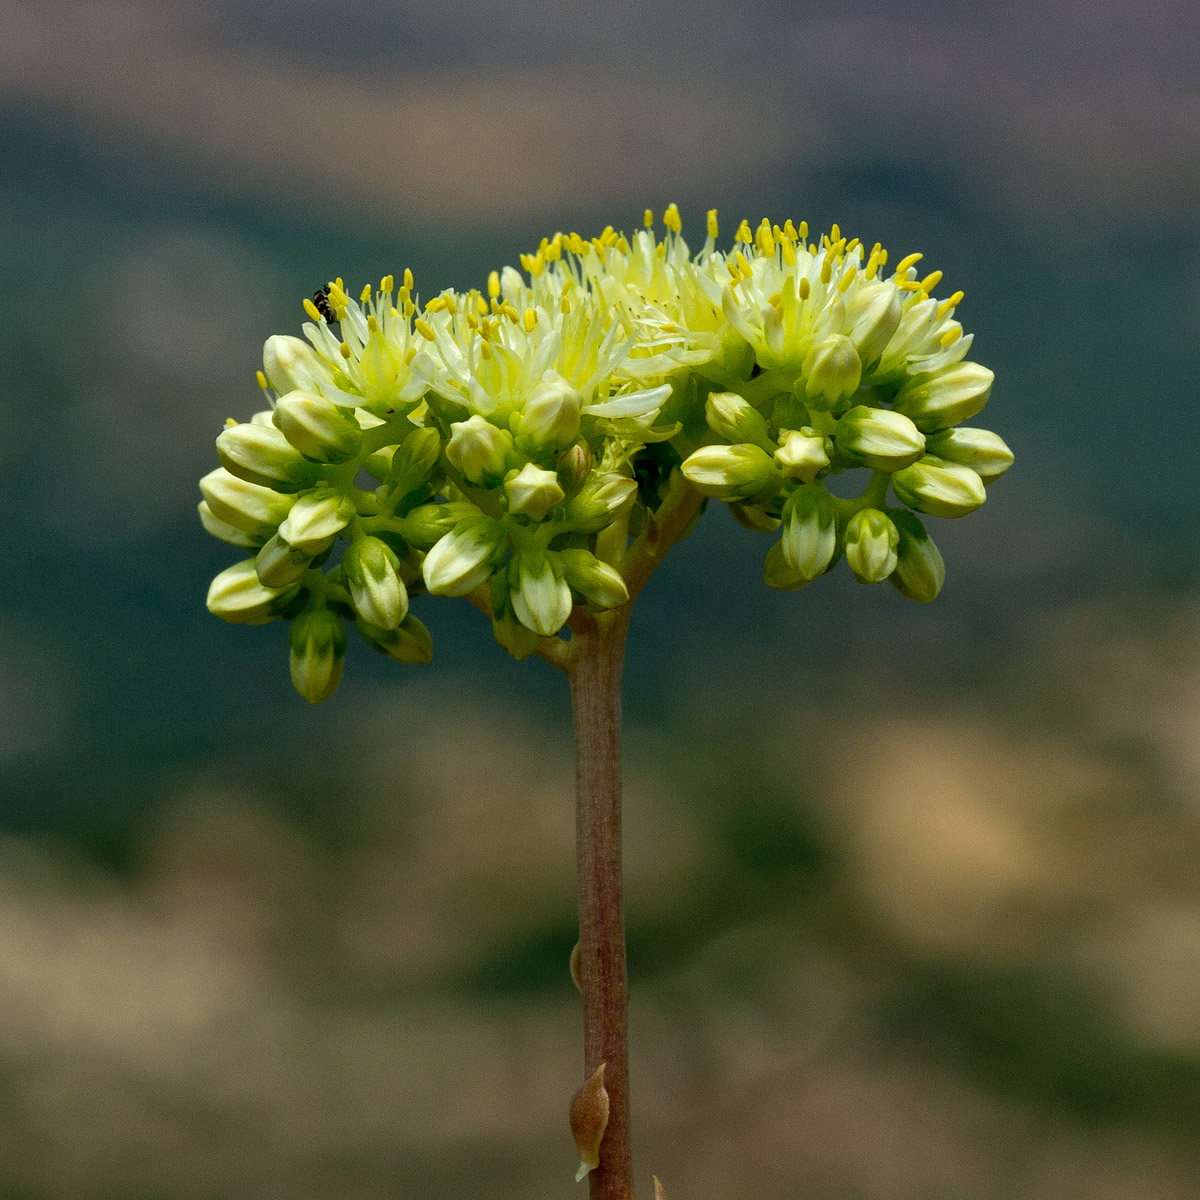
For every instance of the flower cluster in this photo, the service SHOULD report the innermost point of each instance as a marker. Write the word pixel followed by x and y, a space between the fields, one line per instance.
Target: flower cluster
pixel 508 444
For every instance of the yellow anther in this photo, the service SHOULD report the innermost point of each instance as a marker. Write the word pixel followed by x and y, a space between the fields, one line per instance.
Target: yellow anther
pixel 372 324
pixel 660 251
pixel 671 218
pixel 908 285
pixel 622 244
pixel 789 252
pixel 835 233
pixel 713 228
pixel 481 305
pixel 494 284
pixel 775 300
pixel 872 264
pixel 312 310
pixel 951 302
pixel 485 348
pixel 387 285
pixel 436 304
pixel 743 233
pixel 744 268
pixel 365 294
pixel 931 281
pixel 472 321
pixel 564 305
pixel 553 250
pixel 341 313
pixel 496 306
pixel 230 423
pixel 951 336
pixel 408 279
pixel 409 308
pixel 648 219
pixel 527 262
pixel 539 263
pixel 395 312
pixel 409 355
pixel 789 230
pixel 903 265
pixel 883 257
pixel 402 294
pixel 345 349
pixel 530 319
pixel 827 266
pixel 764 240
pixel 597 244
pixel 511 313
pixel 262 380
pixel 609 237
pixel 340 284
pixel 803 231
pixel 451 305
pixel 852 245
pixel 803 289
pixel 848 278
pixel 424 330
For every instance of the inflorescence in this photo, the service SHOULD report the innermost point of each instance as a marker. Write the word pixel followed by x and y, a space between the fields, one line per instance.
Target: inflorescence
pixel 514 440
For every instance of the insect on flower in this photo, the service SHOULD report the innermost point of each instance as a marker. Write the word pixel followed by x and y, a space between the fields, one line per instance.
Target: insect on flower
pixel 321 300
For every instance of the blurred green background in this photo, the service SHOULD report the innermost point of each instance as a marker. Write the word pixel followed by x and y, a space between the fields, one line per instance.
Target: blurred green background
pixel 914 892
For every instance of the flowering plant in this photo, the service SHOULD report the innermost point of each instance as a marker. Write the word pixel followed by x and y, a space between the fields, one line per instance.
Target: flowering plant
pixel 537 447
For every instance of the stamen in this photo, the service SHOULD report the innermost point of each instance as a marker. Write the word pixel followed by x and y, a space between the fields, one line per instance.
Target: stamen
pixel 671 218
pixel 712 223
pixel 424 330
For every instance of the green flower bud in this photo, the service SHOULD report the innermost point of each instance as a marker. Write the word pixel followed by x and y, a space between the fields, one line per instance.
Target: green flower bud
pixel 279 563
pixel 802 453
pixel 223 530
pixel 730 472
pixel 595 581
pixel 262 455
pixel 409 642
pixel 874 315
pixel 831 373
pixel 809 531
pixel 550 418
pixel 479 450
pixel 919 572
pixel 292 365
pixel 465 557
pixel 317 641
pixel 414 461
pixel 939 489
pixel 871 542
pixel 778 574
pixel 541 598
pixel 878 438
pixel 256 511
pixel 236 596
pixel 317 518
pixel 320 430
pixel 429 523
pixel 574 467
pixel 736 420
pixel 532 492
pixel 507 630
pixel 983 451
pixel 372 573
pixel 600 501
pixel 946 397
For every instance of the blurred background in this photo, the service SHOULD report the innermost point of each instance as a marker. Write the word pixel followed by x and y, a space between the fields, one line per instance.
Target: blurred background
pixel 914 893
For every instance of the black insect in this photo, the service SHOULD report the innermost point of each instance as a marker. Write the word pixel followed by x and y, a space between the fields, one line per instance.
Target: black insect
pixel 321 300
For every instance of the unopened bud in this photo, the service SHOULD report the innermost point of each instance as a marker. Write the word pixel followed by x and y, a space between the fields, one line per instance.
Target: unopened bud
pixel 290 365
pixel 802 454
pixel 257 511
pixel 236 596
pixel 372 574
pixel 465 557
pixel 541 598
pixel 938 488
pixel 874 315
pixel 595 581
pixel 574 467
pixel 507 630
pixel 317 642
pixel 414 461
pixel 429 523
pixel 809 531
pixel 280 563
pixel 409 642
pixel 600 501
pixel 317 518
pixel 317 428
pixel 779 574
pixel 831 373
pixel 878 438
pixel 479 450
pixel 223 530
pixel 533 492
pixel 550 418
pixel 735 419
pixel 871 542
pixel 589 1120
pixel 260 454
pixel 730 472
pixel 985 452
pixel 920 571
pixel 953 394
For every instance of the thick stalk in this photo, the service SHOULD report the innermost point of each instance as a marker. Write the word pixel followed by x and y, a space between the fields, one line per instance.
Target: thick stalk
pixel 596 661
